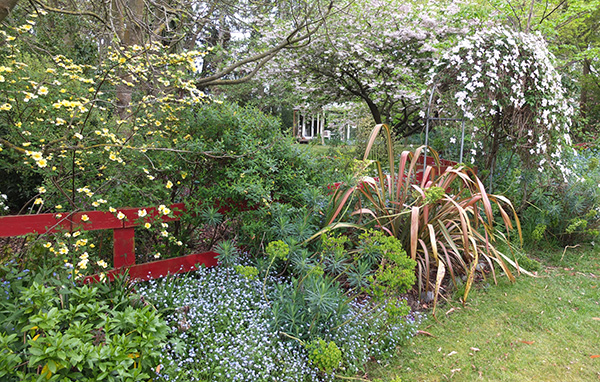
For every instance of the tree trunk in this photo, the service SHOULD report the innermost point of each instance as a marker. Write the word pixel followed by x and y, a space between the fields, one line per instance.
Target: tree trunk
pixel 128 15
pixel 6 6
pixel 374 110
pixel 495 143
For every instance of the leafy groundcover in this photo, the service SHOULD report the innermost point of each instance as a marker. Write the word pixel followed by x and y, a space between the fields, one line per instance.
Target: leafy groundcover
pixel 223 328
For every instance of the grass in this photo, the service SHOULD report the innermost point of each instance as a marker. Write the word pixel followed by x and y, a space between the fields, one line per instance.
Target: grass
pixel 319 149
pixel 538 329
pixel 316 149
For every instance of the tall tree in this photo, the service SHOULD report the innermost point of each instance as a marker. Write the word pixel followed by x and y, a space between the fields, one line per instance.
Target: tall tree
pixel 375 52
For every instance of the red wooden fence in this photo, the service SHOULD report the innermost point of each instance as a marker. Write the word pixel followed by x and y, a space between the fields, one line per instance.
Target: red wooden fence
pixel 123 237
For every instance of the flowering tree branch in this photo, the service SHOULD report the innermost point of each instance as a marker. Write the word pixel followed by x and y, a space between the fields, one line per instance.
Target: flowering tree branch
pixel 507 80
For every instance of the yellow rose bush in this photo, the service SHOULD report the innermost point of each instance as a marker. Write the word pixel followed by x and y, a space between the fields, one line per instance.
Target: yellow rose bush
pixel 62 129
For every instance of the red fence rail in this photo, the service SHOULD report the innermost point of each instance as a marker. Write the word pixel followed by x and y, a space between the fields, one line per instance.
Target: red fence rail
pixel 123 237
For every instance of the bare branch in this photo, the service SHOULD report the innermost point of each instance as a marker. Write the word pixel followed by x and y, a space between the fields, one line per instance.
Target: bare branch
pixel 10 145
pixel 529 17
pixel 292 39
pixel 545 16
pixel 66 12
pixel 241 80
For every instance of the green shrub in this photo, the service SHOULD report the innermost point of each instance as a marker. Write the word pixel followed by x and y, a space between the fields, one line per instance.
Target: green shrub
pixel 310 306
pixel 58 330
pixel 324 356
pixel 254 167
pixel 278 250
pixel 324 283
pixel 554 211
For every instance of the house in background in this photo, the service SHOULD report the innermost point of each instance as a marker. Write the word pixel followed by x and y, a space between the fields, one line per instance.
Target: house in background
pixel 331 121
pixel 309 125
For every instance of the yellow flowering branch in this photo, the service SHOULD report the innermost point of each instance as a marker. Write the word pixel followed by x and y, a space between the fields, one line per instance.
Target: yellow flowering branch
pixel 6 143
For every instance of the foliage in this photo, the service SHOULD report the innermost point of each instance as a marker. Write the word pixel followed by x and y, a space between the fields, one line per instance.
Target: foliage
pixel 565 215
pixel 325 356
pixel 285 222
pixel 174 148
pixel 556 212
pixel 396 272
pixel 247 271
pixel 278 250
pixel 227 252
pixel 376 332
pixel 450 231
pixel 65 137
pixel 571 29
pixel 310 306
pixel 58 127
pixel 325 283
pixel 377 266
pixel 230 30
pixel 59 330
pixel 59 34
pixel 254 162
pixel 325 286
pixel 261 174
pixel 364 126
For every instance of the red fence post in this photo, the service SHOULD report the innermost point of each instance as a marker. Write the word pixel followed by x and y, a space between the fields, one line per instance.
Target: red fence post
pixel 123 247
pixel 123 237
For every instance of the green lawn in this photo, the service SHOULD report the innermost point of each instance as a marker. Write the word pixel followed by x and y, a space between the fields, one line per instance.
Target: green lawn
pixel 538 329
pixel 316 149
